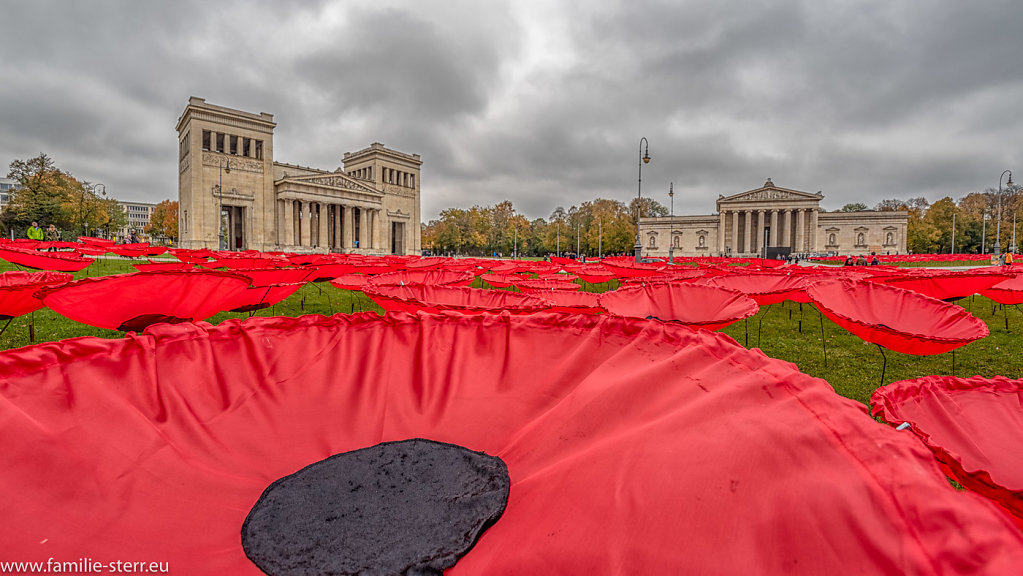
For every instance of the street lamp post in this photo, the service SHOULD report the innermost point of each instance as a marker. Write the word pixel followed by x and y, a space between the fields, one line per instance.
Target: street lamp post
pixel 998 225
pixel 600 238
pixel 671 224
pixel 644 158
pixel 953 233
pixel 983 232
pixel 85 215
pixel 221 240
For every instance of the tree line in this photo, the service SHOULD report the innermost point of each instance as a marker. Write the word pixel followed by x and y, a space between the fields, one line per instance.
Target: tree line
pixel 597 227
pixel 48 195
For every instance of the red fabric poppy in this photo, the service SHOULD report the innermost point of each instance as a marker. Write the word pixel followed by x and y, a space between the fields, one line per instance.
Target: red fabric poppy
pixel 622 438
pixel 631 269
pixel 17 291
pixel 900 320
pixel 134 301
pixel 163 266
pixel 948 286
pixel 259 297
pixel 93 241
pixel 350 281
pixel 414 298
pixel 137 250
pixel 247 263
pixel 766 288
pixel 271 276
pixel 572 302
pixel 696 305
pixel 56 261
pixel 974 426
pixel 1008 291
pixel 429 276
pixel 501 280
pixel 545 285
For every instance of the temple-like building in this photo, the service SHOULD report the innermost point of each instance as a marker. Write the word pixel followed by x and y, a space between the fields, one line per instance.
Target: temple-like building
pixel 232 194
pixel 770 220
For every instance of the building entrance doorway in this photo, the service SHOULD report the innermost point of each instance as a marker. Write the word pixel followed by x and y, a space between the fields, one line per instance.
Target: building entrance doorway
pixel 398 238
pixel 232 228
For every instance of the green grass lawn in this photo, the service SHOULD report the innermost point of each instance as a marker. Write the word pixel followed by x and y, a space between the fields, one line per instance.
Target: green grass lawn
pixel 785 331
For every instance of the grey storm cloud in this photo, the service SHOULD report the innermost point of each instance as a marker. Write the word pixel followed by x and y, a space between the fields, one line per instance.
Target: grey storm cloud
pixel 539 102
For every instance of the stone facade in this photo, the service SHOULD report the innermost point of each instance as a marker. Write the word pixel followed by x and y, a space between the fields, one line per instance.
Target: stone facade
pixel 226 167
pixel 748 223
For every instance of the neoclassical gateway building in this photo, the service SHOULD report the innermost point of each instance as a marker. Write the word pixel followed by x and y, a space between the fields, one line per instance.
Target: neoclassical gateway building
pixel 226 168
pixel 751 223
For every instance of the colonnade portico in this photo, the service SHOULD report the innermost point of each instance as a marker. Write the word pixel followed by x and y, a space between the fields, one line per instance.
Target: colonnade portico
pixel 311 223
pixel 752 229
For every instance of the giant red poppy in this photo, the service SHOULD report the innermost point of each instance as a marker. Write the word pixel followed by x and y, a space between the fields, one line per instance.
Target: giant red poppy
pixel 572 301
pixel 633 447
pixel 696 305
pixel 134 301
pixel 974 426
pixel 258 297
pixel 546 285
pixel 900 320
pixel 420 297
pixel 766 288
pixel 947 285
pixel 350 281
pixel 18 289
pixel 55 261
pixel 1009 291
pixel 431 276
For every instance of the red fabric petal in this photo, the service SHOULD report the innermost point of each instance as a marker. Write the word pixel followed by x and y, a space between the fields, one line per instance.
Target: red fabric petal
pixel 633 447
pixel 974 426
pixel 696 305
pixel 133 301
pixel 414 298
pixel 44 260
pixel 900 320
pixel 18 289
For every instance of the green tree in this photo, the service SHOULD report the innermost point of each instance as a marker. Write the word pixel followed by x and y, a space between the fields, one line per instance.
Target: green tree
pixel 854 207
pixel 43 195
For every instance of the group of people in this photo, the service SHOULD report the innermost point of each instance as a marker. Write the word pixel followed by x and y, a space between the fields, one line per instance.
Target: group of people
pixel 861 260
pixel 50 235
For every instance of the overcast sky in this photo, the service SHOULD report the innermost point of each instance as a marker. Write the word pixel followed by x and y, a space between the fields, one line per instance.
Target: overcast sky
pixel 539 102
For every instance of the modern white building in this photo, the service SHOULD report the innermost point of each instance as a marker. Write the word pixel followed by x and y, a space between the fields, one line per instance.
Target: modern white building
pixel 138 214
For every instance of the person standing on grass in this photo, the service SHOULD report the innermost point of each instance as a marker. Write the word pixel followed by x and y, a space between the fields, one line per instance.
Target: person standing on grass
pixel 34 232
pixel 52 235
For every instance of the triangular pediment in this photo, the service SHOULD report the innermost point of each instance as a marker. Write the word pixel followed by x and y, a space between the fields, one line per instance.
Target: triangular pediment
pixel 769 192
pixel 333 180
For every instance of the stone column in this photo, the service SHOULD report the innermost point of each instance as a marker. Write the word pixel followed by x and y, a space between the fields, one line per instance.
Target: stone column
pixel 774 229
pixel 363 228
pixel 813 229
pixel 746 247
pixel 800 234
pixel 348 227
pixel 288 237
pixel 760 230
pixel 305 224
pixel 322 232
pixel 378 231
pixel 338 222
pixel 735 231
pixel 281 206
pixel 790 220
pixel 721 233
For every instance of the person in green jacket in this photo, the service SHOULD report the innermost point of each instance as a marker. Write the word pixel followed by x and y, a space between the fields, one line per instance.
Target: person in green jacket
pixel 35 232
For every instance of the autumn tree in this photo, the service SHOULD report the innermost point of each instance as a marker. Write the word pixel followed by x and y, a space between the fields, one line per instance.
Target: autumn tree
pixel 164 220
pixel 853 207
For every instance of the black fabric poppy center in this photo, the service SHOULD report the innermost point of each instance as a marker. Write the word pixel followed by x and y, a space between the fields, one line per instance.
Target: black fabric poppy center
pixel 408 507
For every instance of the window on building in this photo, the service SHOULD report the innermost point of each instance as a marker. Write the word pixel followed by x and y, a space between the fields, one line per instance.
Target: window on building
pixel 183 147
pixel 206 140
pixel 246 146
pixel 234 144
pixel 184 222
pixel 220 142
pixel 259 149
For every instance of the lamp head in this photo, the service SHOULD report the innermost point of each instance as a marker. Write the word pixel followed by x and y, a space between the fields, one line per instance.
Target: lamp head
pixel 646 158
pixel 227 169
pixel 671 190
